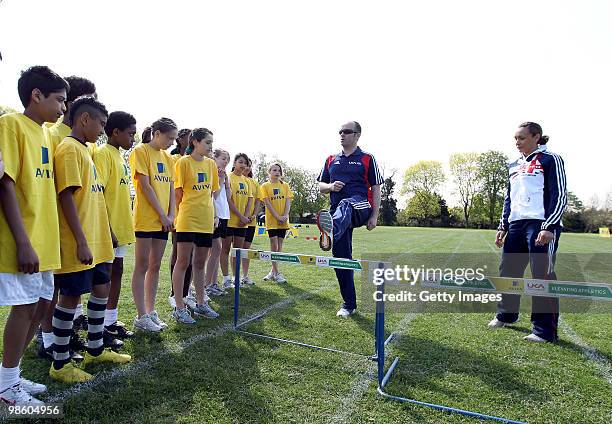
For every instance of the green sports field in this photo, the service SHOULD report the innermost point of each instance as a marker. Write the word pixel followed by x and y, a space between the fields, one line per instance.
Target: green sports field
pixel 208 373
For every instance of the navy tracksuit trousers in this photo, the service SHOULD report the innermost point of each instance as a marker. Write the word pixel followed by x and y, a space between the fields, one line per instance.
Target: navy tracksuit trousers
pixel 519 250
pixel 346 217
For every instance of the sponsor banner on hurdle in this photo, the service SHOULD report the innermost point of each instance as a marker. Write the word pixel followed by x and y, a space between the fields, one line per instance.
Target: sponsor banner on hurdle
pixel 319 261
pixel 531 287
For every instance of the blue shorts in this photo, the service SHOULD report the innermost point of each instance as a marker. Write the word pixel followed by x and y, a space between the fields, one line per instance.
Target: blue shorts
pixel 81 282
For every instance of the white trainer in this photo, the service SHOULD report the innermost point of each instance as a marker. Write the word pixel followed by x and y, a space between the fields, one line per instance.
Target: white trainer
pixel 205 311
pixel 145 323
pixel 280 278
pixel 533 338
pixel 228 283
pixel 172 301
pixel 190 301
pixel 31 387
pixel 247 280
pixel 495 323
pixel 183 316
pixel 156 320
pixel 16 395
pixel 344 313
pixel 270 277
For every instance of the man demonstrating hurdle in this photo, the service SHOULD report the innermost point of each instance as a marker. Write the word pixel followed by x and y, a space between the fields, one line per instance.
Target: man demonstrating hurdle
pixel 353 180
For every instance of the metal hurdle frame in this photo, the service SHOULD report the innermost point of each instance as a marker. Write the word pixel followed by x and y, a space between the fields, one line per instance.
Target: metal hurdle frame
pixel 319 261
pixel 524 286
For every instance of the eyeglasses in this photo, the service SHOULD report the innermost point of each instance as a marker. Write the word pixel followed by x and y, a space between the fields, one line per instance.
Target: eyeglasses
pixel 347 131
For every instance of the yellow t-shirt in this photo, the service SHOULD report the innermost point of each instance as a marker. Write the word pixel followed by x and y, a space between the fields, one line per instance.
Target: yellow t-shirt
pixel 114 176
pixel 74 167
pixel 241 192
pixel 254 187
pixel 157 165
pixel 196 213
pixel 28 161
pixel 277 193
pixel 57 132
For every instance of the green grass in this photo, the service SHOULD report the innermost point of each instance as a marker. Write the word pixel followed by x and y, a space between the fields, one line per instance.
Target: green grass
pixel 452 359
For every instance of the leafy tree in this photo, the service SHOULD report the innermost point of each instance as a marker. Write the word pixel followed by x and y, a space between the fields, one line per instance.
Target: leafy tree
pixel 493 177
pixel 388 205
pixel 425 176
pixel 464 167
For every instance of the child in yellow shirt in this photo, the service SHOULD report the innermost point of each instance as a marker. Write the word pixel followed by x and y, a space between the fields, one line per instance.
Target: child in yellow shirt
pixel 250 233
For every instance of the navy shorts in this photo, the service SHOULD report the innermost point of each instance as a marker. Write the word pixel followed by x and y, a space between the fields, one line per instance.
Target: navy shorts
pixel 221 229
pixel 81 282
pixel 280 232
pixel 250 233
pixel 238 232
pixel 159 235
pixel 199 239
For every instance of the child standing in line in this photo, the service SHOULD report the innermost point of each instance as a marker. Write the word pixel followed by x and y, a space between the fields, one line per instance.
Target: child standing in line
pixel 250 233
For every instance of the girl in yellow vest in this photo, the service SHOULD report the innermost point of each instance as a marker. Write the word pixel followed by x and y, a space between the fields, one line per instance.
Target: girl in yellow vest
pixel 276 196
pixel 251 227
pixel 153 177
pixel 240 203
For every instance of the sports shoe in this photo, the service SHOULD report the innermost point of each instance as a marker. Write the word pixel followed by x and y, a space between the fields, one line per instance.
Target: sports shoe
pixel 31 387
pixel 47 353
pixel 325 223
pixel 118 331
pixel 172 301
pixel 145 323
pixel 190 301
pixel 156 320
pixel 215 290
pixel 247 280
pixel 228 282
pixel 270 277
pixel 69 373
pixel 76 342
pixel 80 323
pixel 205 311
pixel 533 338
pixel 280 278
pixel 111 341
pixel 107 355
pixel 183 316
pixel 16 395
pixel 495 323
pixel 344 313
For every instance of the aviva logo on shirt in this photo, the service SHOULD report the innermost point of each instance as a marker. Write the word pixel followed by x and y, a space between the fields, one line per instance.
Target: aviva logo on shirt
pixel 124 179
pixel 242 189
pixel 44 160
pixel 95 187
pixel 276 194
pixel 161 169
pixel 202 180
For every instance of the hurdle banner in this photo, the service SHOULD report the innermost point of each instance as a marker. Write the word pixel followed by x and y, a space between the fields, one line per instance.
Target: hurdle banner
pixel 529 287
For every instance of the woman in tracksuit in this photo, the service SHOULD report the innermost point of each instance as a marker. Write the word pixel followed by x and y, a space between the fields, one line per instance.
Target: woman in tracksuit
pixel 530 227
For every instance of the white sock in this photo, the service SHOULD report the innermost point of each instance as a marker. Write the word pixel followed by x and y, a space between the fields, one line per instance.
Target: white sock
pixel 110 316
pixel 47 339
pixel 79 311
pixel 8 377
pixel 226 278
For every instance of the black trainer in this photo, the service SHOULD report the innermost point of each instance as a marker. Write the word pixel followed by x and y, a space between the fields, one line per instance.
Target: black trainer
pixel 76 342
pixel 80 323
pixel 111 341
pixel 119 331
pixel 48 354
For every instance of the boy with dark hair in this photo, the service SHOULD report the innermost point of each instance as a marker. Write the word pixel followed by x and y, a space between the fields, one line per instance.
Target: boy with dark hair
pixel 84 230
pixel 56 132
pixel 114 176
pixel 29 229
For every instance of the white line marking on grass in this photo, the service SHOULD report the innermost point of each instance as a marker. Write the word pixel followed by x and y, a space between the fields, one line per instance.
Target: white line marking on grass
pixel 171 348
pixel 599 362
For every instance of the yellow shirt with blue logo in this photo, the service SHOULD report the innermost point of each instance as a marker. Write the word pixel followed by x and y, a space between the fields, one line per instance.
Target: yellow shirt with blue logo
pixel 277 193
pixel 240 191
pixel 74 167
pixel 57 132
pixel 114 176
pixel 198 179
pixel 28 161
pixel 157 165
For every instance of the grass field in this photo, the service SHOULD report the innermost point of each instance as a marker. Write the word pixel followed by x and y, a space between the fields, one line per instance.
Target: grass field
pixel 208 373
